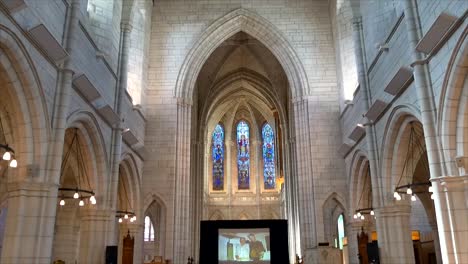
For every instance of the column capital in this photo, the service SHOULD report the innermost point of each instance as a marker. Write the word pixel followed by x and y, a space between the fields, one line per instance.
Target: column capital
pixel 26 187
pixel 67 70
pixel 451 183
pixel 126 26
pixel 395 209
pixel 92 214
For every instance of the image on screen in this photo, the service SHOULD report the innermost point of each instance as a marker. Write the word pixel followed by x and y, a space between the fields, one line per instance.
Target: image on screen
pixel 244 245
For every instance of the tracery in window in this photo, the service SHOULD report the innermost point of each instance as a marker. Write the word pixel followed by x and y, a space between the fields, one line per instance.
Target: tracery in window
pixel 243 156
pixel 149 230
pixel 218 158
pixel 268 157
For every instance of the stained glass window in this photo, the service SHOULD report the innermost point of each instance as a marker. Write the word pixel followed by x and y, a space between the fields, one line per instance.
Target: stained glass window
pixel 149 230
pixel 243 156
pixel 268 157
pixel 218 158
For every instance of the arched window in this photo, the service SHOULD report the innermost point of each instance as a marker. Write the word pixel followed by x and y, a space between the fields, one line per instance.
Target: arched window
pixel 149 230
pixel 268 157
pixel 341 231
pixel 243 156
pixel 218 158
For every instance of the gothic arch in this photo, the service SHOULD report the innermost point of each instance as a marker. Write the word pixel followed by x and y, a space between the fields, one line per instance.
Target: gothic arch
pixel 88 125
pixel 396 129
pixel 154 201
pixel 132 178
pixel 24 96
pixel 225 27
pixel 332 208
pixel 357 172
pixel 453 105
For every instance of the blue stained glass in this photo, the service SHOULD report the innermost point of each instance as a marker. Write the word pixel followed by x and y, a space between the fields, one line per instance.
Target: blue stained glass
pixel 218 158
pixel 243 156
pixel 268 157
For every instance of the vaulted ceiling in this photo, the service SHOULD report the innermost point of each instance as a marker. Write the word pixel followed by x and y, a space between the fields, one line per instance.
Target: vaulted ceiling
pixel 244 59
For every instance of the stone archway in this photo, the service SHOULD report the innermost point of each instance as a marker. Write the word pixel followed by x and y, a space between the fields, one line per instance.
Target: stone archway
pixel 23 104
pixel 239 20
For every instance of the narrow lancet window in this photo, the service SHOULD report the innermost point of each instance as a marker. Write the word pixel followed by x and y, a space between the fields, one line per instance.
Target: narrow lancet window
pixel 243 156
pixel 218 158
pixel 269 177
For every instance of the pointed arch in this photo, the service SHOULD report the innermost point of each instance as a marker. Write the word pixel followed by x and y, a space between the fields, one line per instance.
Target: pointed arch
pixel 88 125
pixel 396 131
pixel 132 180
pixel 225 27
pixel 332 208
pixel 24 96
pixel 453 105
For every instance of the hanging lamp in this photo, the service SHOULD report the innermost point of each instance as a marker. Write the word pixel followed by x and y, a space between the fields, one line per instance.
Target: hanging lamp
pixel 7 152
pixel 412 188
pixel 125 215
pixel 78 192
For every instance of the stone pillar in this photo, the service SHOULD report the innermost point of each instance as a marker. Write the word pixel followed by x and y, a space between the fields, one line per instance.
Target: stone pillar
pixel 451 199
pixel 183 222
pixel 352 230
pixel 116 148
pixel 93 230
pixel 371 141
pixel 304 182
pixel 29 224
pixel 429 118
pixel 29 230
pixel 394 234
pixel 292 213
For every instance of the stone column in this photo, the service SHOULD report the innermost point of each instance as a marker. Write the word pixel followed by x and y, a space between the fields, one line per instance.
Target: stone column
pixel 93 230
pixel 198 160
pixel 29 230
pixel 394 234
pixel 371 141
pixel 183 222
pixel 116 148
pixel 352 230
pixel 451 199
pixel 29 224
pixel 292 200
pixel 304 182
pixel 429 118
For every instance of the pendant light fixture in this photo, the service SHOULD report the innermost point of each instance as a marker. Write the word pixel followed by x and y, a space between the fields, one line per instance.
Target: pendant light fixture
pixel 412 188
pixel 359 214
pixel 125 215
pixel 82 190
pixel 7 153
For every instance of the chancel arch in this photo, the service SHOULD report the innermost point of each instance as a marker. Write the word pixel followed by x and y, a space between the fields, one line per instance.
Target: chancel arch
pixel 240 84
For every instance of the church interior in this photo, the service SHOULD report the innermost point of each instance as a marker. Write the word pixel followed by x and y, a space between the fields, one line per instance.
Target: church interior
pixel 131 131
